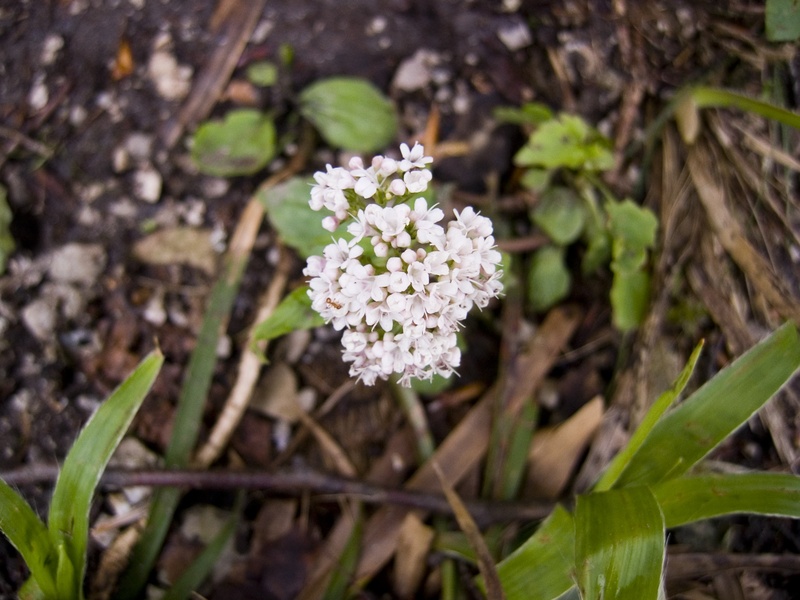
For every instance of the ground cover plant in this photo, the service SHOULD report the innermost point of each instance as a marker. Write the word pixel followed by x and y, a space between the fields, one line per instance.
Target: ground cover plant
pixel 470 301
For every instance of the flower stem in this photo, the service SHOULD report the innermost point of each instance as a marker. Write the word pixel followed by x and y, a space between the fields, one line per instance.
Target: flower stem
pixel 415 414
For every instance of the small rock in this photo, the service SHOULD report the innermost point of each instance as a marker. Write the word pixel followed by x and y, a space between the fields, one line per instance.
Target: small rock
pixel 53 44
pixel 38 96
pixel 416 72
pixel 120 159
pixel 172 80
pixel 147 184
pixel 515 35
pixel 39 317
pixel 77 263
pixel 139 145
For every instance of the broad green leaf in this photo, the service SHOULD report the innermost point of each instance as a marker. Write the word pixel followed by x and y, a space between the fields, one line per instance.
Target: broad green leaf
pixel 289 213
pixel 350 113
pixel 689 499
pixel 543 567
pixel 630 297
pixel 782 20
pixel 548 278
pixel 68 520
pixel 619 544
pixel 536 179
pixel 659 407
pixel 263 73
pixel 695 427
pixel 241 144
pixel 6 241
pixel 635 226
pixel 201 567
pixel 561 214
pixel 293 313
pixel 566 141
pixel 29 536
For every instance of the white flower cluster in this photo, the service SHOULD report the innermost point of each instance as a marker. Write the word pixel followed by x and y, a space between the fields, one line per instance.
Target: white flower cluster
pixel 402 283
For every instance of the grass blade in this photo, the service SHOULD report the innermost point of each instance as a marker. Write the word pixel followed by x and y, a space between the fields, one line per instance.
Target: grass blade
pixel 542 568
pixel 688 499
pixel 708 97
pixel 68 520
pixel 619 545
pixel 652 417
pixel 29 536
pixel 200 568
pixel 690 431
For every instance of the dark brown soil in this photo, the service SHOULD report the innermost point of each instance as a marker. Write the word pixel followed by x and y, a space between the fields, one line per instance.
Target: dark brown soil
pixel 79 133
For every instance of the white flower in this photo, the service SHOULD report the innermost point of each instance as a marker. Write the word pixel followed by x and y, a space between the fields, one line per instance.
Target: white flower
pixel 417 181
pixel 414 158
pixel 401 304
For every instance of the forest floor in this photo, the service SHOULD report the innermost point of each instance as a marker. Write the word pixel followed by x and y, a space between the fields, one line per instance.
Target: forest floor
pixel 98 101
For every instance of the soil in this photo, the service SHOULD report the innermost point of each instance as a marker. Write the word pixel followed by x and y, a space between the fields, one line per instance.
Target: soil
pixel 95 121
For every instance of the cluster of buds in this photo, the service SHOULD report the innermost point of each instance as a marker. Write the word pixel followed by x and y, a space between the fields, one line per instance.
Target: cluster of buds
pixel 400 283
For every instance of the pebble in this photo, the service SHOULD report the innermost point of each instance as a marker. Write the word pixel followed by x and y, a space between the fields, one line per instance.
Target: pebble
pixel 172 81
pixel 77 263
pixel 415 73
pixel 38 96
pixel 515 35
pixel 39 317
pixel 53 44
pixel 147 183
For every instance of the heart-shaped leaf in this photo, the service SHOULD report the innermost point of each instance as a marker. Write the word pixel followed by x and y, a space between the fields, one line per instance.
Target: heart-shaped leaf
pixel 241 144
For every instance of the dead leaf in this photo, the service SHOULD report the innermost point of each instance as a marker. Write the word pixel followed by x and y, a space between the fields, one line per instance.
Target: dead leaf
pixel 413 545
pixel 554 452
pixel 123 63
pixel 178 245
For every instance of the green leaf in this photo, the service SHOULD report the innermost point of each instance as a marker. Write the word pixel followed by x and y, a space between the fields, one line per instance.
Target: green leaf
pixel 561 214
pixel 707 97
pixel 289 213
pixel 293 313
pixel 548 278
pixel 344 571
pixel 536 179
pixel 29 536
pixel 68 520
pixel 635 226
pixel 350 113
pixel 689 499
pixel 530 113
pixel 630 297
pixel 6 241
pixel 782 20
pixel 656 411
pixel 695 427
pixel 543 567
pixel 201 567
pixel 242 144
pixel 566 141
pixel 619 544
pixel 263 73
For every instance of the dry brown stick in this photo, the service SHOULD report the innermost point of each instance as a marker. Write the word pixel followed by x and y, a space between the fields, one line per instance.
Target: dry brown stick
pixel 293 483
pixel 730 234
pixel 234 22
pixel 247 374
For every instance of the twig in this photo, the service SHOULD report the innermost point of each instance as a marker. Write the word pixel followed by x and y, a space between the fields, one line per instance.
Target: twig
pixel 294 482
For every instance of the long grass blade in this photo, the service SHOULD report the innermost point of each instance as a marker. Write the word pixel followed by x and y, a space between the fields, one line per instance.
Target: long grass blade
pixel 689 499
pixel 68 520
pixel 656 411
pixel 29 536
pixel 619 546
pixel 543 567
pixel 690 431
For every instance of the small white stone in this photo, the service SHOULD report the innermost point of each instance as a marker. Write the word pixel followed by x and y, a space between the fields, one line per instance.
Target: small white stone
pixel 147 183
pixel 77 263
pixel 154 311
pixel 262 30
pixel 172 81
pixel 139 145
pixel 416 72
pixel 53 43
pixel 38 96
pixel 39 317
pixel 515 36
pixel 120 159
pixel 137 4
pixel 377 25
pixel 215 187
pixel 77 115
